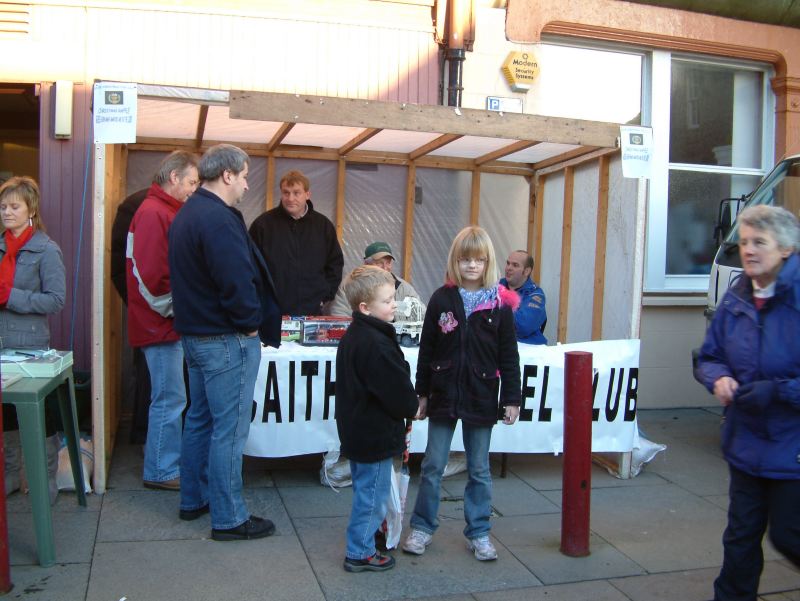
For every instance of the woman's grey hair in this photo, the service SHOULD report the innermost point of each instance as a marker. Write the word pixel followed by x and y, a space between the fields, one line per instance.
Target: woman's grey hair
pixel 220 158
pixel 782 224
pixel 179 161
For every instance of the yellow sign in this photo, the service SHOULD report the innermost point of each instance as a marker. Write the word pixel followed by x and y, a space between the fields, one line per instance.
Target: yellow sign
pixel 521 70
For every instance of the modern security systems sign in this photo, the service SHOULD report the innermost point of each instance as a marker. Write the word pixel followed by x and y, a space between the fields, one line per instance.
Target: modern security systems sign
pixel 521 70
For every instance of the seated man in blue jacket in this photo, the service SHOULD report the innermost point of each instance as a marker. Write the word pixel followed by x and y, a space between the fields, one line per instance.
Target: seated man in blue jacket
pixel 531 316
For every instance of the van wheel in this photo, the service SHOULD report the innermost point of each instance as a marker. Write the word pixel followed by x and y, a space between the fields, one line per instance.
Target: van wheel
pixel 405 340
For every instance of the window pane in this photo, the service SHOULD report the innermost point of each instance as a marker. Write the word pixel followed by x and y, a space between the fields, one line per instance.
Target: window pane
pixel 692 214
pixel 715 115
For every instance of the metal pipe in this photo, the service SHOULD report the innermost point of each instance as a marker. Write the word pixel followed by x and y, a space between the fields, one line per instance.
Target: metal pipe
pixel 455 70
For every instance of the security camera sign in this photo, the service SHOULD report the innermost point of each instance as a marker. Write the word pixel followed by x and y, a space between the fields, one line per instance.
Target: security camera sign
pixel 114 110
pixel 637 151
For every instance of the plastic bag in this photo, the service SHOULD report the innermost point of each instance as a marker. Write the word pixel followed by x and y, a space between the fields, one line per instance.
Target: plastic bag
pixel 64 479
pixel 335 471
pixel 395 508
pixel 643 453
pixel 456 463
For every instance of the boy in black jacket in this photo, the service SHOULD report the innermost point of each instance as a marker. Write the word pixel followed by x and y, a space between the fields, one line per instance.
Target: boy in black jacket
pixel 374 395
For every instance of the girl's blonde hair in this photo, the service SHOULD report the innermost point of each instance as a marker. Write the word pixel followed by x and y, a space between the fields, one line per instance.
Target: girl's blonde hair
pixel 472 243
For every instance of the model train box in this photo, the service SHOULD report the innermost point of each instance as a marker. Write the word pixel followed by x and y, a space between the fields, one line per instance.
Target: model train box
pixel 323 331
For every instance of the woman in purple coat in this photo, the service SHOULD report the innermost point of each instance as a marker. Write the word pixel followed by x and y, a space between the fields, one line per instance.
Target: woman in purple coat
pixel 750 360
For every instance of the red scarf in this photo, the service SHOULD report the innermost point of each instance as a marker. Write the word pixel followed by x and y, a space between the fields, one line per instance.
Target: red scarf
pixel 9 263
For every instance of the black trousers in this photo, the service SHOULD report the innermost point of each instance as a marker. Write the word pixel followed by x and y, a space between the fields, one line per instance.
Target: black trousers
pixel 754 503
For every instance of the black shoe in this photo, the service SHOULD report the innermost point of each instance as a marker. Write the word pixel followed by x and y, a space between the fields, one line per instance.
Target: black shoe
pixel 376 563
pixel 254 527
pixel 193 514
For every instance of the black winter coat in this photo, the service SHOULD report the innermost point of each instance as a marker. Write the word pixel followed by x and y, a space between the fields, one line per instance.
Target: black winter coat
pixel 462 362
pixel 303 256
pixel 373 391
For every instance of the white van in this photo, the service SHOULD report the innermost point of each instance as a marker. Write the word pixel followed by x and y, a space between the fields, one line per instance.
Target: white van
pixel 781 187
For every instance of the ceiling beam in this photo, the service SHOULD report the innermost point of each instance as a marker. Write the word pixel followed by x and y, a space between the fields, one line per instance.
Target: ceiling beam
pixel 201 125
pixel 359 140
pixel 504 151
pixel 351 112
pixel 282 132
pixel 433 145
pixel 575 161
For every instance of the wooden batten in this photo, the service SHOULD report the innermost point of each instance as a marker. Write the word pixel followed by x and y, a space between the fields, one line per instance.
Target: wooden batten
pixel 505 151
pixel 434 144
pixel 358 140
pixel 341 174
pixel 475 198
pixel 201 125
pixel 408 225
pixel 566 255
pixel 270 183
pixel 578 159
pixel 282 132
pixel 531 235
pixel 351 112
pixel 538 184
pixel 600 248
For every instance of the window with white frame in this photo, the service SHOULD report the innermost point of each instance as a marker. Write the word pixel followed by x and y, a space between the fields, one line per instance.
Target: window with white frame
pixel 713 138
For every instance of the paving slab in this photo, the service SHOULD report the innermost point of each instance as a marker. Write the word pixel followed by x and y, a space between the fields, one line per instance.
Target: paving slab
pixel 65 501
pixel 126 468
pixel 203 570
pixel 697 471
pixel 663 529
pixel 446 568
pixel 74 534
pixel 148 515
pixel 512 496
pixel 578 591
pixel 535 541
pixel 316 501
pixel 62 581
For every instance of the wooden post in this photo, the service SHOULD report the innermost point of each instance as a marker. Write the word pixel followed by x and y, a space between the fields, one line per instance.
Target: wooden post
pixel 475 198
pixel 408 225
pixel 270 196
pixel 537 241
pixel 566 255
pixel 600 249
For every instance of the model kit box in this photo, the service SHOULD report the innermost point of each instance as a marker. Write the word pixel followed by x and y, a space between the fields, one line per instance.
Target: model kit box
pixel 323 331
pixel 35 363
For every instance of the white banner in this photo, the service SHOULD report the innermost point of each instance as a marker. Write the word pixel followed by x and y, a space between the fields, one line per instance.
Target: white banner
pixel 294 406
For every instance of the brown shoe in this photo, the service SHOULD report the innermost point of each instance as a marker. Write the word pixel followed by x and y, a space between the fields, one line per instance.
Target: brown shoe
pixel 174 484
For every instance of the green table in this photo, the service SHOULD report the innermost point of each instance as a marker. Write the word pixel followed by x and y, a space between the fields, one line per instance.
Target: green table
pixel 28 396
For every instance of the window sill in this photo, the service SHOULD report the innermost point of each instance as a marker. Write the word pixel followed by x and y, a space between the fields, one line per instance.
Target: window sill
pixel 675 300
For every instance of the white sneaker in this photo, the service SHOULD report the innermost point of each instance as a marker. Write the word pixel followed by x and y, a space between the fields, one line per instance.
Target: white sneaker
pixel 483 548
pixel 416 542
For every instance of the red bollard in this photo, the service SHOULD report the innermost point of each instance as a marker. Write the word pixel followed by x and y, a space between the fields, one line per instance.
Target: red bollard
pixel 577 478
pixel 5 563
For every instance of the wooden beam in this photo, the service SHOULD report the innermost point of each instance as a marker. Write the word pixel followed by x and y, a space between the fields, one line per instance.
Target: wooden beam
pixel 566 255
pixel 408 224
pixel 538 182
pixel 578 160
pixel 504 151
pixel 282 132
pixel 270 183
pixel 201 125
pixel 352 112
pixel 359 140
pixel 433 145
pixel 531 235
pixel 600 249
pixel 475 198
pixel 340 177
pixel 561 158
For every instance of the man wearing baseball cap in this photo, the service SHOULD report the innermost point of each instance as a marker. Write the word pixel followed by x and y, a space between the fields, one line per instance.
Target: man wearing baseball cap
pixel 379 254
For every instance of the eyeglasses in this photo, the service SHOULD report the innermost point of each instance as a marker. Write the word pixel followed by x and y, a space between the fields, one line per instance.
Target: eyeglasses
pixel 467 261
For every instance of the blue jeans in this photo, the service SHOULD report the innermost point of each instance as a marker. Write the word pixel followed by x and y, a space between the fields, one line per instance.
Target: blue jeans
pixel 222 376
pixel 162 448
pixel 371 488
pixel 478 492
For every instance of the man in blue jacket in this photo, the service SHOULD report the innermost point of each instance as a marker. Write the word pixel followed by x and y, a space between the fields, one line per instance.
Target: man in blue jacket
pixel 223 298
pixel 531 316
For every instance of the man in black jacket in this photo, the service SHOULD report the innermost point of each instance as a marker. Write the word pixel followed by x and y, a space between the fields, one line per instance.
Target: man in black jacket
pixel 301 249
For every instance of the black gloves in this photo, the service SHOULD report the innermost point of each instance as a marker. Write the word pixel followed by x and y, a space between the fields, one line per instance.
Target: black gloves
pixel 755 397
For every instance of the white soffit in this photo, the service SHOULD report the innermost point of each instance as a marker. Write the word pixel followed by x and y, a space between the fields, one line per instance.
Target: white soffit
pixel 393 140
pixel 471 147
pixel 224 129
pixel 166 119
pixel 540 152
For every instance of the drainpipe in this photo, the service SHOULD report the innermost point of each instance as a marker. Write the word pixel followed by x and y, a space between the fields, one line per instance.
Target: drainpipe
pixel 455 53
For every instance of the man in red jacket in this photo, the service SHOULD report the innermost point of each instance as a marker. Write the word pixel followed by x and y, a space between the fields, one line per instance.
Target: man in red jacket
pixel 150 317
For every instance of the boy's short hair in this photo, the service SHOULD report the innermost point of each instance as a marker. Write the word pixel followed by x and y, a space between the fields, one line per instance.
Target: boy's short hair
pixel 363 282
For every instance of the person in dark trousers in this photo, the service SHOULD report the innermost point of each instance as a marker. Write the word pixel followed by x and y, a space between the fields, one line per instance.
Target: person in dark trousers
pixel 374 395
pixel 301 249
pixel 119 240
pixel 224 300
pixel 750 360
